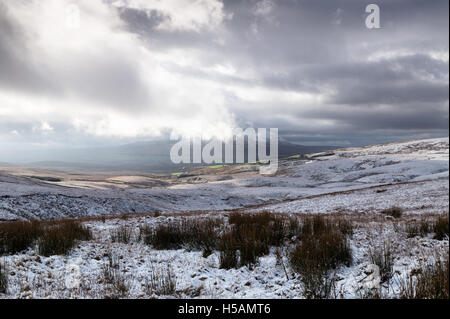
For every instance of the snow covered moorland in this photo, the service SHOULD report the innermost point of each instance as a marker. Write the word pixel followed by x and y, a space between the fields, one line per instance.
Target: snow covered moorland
pixel 355 223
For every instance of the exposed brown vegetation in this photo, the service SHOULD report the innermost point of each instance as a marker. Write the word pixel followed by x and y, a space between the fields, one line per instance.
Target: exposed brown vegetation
pixel 429 282
pixel 162 282
pixel 52 237
pixel 121 235
pixel 421 228
pixel 58 239
pixel 18 236
pixel 191 233
pixel 324 246
pixel 113 276
pixel 3 279
pixel 228 252
pixel 395 212
pixel 252 235
pixel 383 257
pixel 440 228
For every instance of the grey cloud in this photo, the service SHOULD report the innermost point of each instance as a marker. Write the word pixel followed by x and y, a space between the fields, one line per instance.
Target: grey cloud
pixel 301 48
pixel 145 23
pixel 142 21
pixel 397 94
pixel 17 69
pixel 110 79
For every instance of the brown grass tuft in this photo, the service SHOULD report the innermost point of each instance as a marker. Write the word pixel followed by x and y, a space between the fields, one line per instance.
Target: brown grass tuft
pixel 324 246
pixel 59 238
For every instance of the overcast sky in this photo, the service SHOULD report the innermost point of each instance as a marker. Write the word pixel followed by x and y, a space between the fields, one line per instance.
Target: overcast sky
pixel 139 69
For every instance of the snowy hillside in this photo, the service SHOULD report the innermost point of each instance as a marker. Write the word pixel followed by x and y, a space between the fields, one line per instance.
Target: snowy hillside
pixel 393 197
pixel 22 197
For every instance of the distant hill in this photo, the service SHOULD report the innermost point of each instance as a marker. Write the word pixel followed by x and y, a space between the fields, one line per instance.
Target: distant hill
pixel 5 164
pixel 286 149
pixel 151 156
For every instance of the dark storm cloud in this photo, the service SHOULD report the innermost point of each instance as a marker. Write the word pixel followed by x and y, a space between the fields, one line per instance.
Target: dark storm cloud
pixel 110 78
pixel 142 21
pixel 309 52
pixel 392 93
pixel 415 78
pixel 368 85
pixel 17 70
pixel 146 24
pixel 416 116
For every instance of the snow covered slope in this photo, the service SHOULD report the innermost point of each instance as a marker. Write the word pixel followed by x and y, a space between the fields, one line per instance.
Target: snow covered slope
pixel 355 184
pixel 423 164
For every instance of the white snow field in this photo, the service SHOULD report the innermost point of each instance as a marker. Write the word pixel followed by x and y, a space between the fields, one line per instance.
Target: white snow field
pixel 349 169
pixel 357 183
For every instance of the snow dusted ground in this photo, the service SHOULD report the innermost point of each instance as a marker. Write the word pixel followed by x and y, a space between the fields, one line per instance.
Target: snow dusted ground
pixel 356 182
pixel 46 277
pixel 414 197
pixel 80 275
pixel 347 169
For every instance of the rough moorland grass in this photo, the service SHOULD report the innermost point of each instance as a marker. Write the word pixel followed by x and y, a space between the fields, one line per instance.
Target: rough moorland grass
pixel 114 277
pixel 192 234
pixel 53 238
pixel 324 246
pixel 270 229
pixel 250 236
pixel 383 257
pixel 162 282
pixel 121 235
pixel 18 236
pixel 59 238
pixel 3 279
pixel 395 212
pixel 227 247
pixel 241 242
pixel 440 228
pixel 423 228
pixel 430 282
